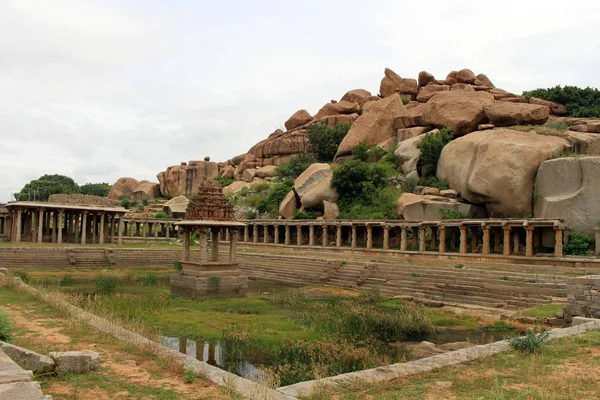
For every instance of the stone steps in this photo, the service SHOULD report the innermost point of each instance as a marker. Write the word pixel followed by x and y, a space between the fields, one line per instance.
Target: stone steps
pixel 16 383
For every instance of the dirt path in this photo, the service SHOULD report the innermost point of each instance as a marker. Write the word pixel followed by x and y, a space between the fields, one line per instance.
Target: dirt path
pixel 123 374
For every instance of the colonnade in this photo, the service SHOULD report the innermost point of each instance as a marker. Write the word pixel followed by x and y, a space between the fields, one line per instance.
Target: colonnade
pixel 148 228
pixel 66 224
pixel 487 236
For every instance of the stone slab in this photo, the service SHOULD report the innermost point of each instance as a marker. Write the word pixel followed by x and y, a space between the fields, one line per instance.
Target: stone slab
pixel 75 361
pixel 28 359
pixel 22 391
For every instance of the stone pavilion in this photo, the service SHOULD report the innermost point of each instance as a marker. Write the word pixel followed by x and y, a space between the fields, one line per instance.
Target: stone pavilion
pixel 207 273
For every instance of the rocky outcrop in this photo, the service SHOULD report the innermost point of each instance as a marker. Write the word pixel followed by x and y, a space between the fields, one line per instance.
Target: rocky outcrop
pixel 268 171
pixel 567 188
pixel 427 92
pixel 122 187
pixel 508 114
pixel 146 191
pixel 407 155
pixel 393 83
pixel 236 187
pixel 75 362
pixel 339 108
pixel 185 179
pixel 330 210
pixel 288 205
pixel 313 186
pixel 483 80
pixel 374 126
pixel 414 207
pixel 460 111
pixel 497 168
pixel 465 76
pixel 299 118
pixel 555 108
pixel 425 78
pixel 358 96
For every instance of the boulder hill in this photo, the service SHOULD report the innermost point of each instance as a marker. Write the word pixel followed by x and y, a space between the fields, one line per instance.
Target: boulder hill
pixel 492 162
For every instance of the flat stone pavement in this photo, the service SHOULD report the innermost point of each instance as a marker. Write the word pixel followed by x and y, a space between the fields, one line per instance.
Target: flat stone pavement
pixel 16 383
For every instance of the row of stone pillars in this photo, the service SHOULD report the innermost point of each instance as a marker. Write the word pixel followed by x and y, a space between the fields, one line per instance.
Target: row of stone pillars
pixel 58 226
pixel 156 229
pixel 481 238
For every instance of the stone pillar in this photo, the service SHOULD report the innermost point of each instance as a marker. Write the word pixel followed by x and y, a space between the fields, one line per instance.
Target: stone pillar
pixel 415 237
pixel 338 236
pixel 276 234
pixel 112 229
pixel 203 244
pixel 354 237
pixel 102 222
pixel 529 241
pixel 40 236
pixel 93 221
pixel 386 237
pixel 558 246
pixel 233 238
pixel 325 236
pixel 311 235
pixel 155 229
pixel 463 239
pixel 597 240
pixel 168 230
pixel 516 243
pixel 246 234
pixel 227 235
pixel 18 226
pixel 473 240
pixel 214 239
pixel 137 228
pixel 422 238
pixel 287 235
pixel 434 238
pixel 497 241
pixel 265 234
pixel 485 249
pixel 506 244
pixel 369 237
pixel 186 244
pixel 442 237
pixel 84 227
pixel 299 235
pixel 255 234
pixel 403 238
pixel 54 218
pixel 120 233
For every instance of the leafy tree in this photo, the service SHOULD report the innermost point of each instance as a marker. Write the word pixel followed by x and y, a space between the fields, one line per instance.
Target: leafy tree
pixel 360 152
pixel 295 166
pixel 579 102
pixel 270 203
pixel 162 214
pixel 40 189
pixel 95 189
pixel 578 245
pixel 431 147
pixel 324 140
pixel 350 177
pixel 223 181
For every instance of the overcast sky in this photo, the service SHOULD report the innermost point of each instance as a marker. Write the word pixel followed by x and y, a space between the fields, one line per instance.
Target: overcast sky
pixel 98 90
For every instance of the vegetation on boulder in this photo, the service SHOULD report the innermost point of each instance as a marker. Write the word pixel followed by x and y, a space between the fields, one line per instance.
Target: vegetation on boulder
pixel 431 147
pixel 579 102
pixel 324 140
pixel 295 166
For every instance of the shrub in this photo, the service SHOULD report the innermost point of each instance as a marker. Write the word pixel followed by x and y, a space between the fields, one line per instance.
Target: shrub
pixel 350 177
pixel 304 215
pixel 124 201
pixel 432 181
pixel 95 189
pixel 106 283
pixel 269 204
pixel 66 280
pixel 374 203
pixel 532 342
pixel 565 153
pixel 578 244
pixel 579 102
pixel 189 375
pixel 250 214
pixel 411 184
pixel 150 280
pixel 451 213
pixel 177 265
pixel 324 140
pixel 23 275
pixel 431 147
pixel 162 214
pixel 295 166
pixel 405 100
pixel 360 152
pixel 223 181
pixel 6 327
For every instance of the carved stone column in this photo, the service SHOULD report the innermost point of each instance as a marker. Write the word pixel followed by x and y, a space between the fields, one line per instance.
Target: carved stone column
pixel 558 246
pixel 354 237
pixel 529 241
pixel 403 238
pixel 386 237
pixel 325 235
pixel 422 238
pixel 299 235
pixel 463 239
pixel 369 236
pixel 276 234
pixel 338 236
pixel 506 245
pixel 311 235
pixel 287 235
pixel 442 237
pixel 485 249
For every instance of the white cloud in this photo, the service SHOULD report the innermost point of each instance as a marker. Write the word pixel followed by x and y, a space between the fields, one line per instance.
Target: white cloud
pixel 102 89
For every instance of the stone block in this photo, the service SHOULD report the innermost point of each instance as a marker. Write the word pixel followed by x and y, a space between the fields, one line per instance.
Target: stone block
pixel 28 359
pixel 75 361
pixel 22 391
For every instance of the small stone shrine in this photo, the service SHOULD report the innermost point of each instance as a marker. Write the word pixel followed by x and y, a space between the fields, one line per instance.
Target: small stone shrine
pixel 203 274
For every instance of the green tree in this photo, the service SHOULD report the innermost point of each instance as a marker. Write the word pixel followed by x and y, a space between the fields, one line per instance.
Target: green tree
pixel 40 189
pixel 270 203
pixel 579 102
pixel 360 152
pixel 95 189
pixel 294 167
pixel 431 147
pixel 324 140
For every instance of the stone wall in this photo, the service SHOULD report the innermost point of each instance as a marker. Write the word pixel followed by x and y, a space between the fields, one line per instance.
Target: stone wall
pixel 82 200
pixel 583 297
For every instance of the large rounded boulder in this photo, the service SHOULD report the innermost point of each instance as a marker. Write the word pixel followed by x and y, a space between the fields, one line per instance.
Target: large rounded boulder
pixel 375 125
pixel 122 187
pixel 458 110
pixel 497 168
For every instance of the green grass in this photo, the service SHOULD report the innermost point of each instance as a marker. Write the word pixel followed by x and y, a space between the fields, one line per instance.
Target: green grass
pixel 544 311
pixel 509 375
